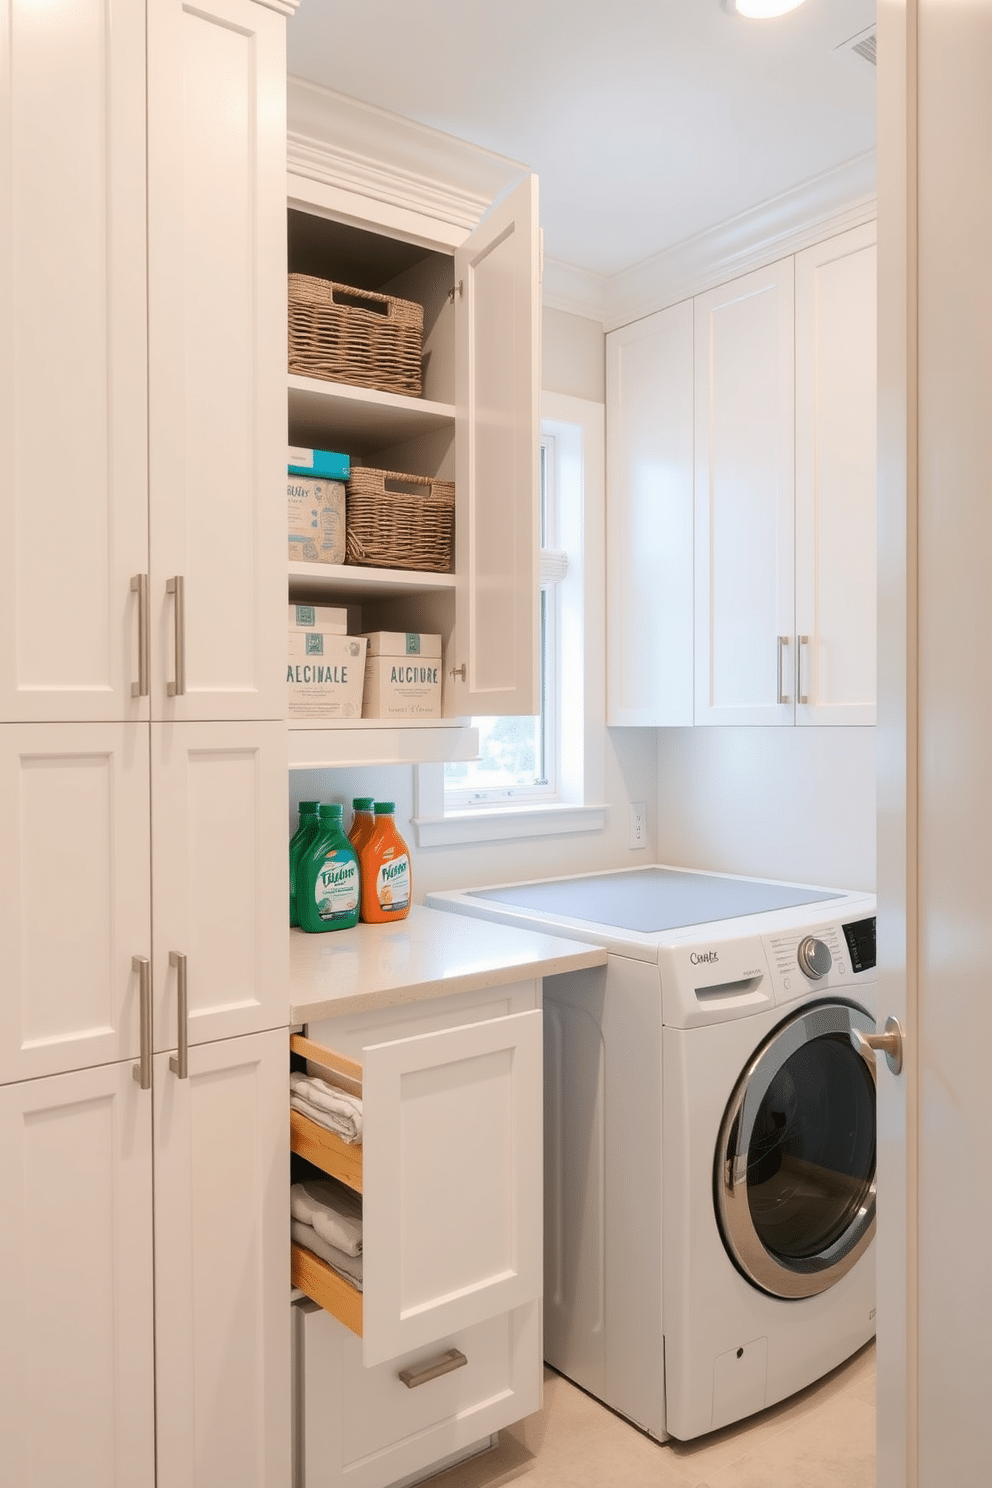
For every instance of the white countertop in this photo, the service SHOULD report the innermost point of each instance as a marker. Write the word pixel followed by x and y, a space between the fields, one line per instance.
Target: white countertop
pixel 429 954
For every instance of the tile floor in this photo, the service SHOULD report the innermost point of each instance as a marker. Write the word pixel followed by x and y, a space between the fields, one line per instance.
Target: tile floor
pixel 823 1437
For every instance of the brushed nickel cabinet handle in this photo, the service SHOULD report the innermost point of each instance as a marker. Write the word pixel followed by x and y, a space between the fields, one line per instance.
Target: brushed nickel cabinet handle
pixel 142 1071
pixel 802 650
pixel 783 642
pixel 139 586
pixel 179 1062
pixel 419 1374
pixel 177 586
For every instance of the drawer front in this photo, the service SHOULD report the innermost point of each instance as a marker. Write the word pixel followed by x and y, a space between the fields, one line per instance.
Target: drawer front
pixel 366 1428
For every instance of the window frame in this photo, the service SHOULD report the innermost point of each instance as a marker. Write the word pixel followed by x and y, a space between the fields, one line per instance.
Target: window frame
pixel 577 426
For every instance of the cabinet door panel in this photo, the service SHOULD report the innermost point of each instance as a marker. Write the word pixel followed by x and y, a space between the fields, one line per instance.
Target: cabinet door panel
pixel 649 526
pixel 452 1181
pixel 222 1265
pixel 219 867
pixel 835 478
pixel 217 346
pixel 745 499
pixel 76 1342
pixel 73 426
pixel 497 540
pixel 75 906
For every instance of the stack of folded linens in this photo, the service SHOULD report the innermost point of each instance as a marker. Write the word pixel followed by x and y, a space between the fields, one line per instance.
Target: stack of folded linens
pixel 331 1108
pixel 326 1218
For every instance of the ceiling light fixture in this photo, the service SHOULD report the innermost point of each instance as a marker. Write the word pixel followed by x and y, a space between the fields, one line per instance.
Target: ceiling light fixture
pixel 761 10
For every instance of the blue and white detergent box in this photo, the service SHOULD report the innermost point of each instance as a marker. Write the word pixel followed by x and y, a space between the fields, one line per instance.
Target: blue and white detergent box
pixel 402 675
pixel 326 464
pixel 316 520
pixel 332 619
pixel 325 674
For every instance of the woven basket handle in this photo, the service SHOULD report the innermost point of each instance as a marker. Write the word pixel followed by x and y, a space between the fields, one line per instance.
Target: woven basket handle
pixel 357 299
pixel 406 485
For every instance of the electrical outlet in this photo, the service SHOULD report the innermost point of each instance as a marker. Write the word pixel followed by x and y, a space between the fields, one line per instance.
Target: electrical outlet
pixel 638 824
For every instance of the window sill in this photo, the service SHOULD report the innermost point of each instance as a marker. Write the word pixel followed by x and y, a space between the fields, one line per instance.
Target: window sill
pixel 503 823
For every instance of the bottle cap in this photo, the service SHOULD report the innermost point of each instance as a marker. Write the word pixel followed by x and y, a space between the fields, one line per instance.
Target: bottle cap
pixel 384 808
pixel 308 807
pixel 332 809
pixel 362 803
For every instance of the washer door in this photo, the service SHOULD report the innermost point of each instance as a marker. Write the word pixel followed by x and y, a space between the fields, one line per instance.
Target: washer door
pixel 794 1176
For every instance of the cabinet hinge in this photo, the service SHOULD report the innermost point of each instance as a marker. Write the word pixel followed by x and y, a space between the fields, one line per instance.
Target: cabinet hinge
pixel 458 289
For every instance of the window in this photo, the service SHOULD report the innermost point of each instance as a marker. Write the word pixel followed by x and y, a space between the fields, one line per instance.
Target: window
pixel 544 775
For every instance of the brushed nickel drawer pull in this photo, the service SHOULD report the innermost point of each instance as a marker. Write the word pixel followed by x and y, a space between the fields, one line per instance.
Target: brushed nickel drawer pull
pixel 177 587
pixel 420 1374
pixel 142 1071
pixel 179 1062
pixel 139 586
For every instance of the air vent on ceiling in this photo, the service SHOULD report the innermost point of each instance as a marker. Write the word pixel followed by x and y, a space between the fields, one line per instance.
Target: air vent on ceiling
pixel 863 45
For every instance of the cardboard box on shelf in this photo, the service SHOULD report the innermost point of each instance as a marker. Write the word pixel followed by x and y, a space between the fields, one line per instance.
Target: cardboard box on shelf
pixel 316 513
pixel 402 675
pixel 331 619
pixel 325 674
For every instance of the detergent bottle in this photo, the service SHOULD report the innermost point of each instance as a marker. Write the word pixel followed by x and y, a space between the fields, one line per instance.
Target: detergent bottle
pixel 307 826
pixel 362 823
pixel 327 885
pixel 387 886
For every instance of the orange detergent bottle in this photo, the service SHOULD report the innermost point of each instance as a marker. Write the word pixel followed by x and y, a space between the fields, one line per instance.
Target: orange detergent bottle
pixel 387 885
pixel 362 823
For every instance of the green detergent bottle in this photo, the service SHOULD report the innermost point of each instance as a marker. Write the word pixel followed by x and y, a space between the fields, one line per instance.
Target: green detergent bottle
pixel 308 825
pixel 327 885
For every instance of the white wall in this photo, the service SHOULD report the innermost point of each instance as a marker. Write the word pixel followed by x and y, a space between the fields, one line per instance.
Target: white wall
pixel 573 362
pixel 792 803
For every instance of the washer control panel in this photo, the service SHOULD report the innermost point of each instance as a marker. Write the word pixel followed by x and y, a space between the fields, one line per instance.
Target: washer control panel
pixel 822 957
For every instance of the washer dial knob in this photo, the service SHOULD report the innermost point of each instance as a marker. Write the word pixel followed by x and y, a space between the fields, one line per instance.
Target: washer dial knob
pixel 814 958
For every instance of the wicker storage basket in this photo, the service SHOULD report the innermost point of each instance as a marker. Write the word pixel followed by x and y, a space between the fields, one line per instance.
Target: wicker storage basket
pixel 349 335
pixel 399 521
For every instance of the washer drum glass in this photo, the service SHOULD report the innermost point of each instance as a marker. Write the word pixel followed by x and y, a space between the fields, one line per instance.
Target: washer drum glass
pixel 794 1176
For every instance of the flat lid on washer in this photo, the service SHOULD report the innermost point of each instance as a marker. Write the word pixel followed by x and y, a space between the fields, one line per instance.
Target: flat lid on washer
pixel 651 899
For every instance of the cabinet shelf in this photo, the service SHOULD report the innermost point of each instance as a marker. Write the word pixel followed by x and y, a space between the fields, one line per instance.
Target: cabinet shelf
pixel 322 1284
pixel 318 743
pixel 359 419
pixel 351 582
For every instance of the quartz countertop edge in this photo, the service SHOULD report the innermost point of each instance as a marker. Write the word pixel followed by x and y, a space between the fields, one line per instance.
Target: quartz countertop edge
pixel 432 953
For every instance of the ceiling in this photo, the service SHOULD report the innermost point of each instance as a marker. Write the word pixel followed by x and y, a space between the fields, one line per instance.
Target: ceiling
pixel 647 121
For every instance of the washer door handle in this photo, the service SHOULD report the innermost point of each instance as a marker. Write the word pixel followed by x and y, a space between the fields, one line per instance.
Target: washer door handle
pixel 889 1043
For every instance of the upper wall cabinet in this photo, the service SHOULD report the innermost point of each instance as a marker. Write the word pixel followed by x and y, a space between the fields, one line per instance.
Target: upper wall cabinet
pixel 744 499
pixel 217 350
pixel 742 515
pixel 477 424
pixel 142 394
pixel 835 479
pixel 73 369
pixel 649 531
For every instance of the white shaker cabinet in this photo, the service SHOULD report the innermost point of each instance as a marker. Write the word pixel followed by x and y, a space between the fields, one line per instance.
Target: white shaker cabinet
pixel 835 480
pixel 77 1389
pixel 649 529
pixel 217 353
pixel 741 499
pixel 75 906
pixel 222 1265
pixel 745 502
pixel 73 372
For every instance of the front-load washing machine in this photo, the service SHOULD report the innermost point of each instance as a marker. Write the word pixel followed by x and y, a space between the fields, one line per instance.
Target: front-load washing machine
pixel 709 1137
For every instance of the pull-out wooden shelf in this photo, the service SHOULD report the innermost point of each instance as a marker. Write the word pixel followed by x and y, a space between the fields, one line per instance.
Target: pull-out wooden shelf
pixel 341 1160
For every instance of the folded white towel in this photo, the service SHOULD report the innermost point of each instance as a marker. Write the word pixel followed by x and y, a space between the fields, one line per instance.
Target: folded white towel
pixel 332 1108
pixel 333 1210
pixel 350 1267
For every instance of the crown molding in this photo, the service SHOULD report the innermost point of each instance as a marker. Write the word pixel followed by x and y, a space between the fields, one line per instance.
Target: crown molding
pixel 354 147
pixel 829 203
pixel 807 214
pixel 576 291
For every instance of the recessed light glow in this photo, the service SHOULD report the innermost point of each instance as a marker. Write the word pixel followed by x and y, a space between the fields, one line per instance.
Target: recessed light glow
pixel 762 10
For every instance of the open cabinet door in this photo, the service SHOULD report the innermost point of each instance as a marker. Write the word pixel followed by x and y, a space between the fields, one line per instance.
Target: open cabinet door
pixel 497 530
pixel 452 1181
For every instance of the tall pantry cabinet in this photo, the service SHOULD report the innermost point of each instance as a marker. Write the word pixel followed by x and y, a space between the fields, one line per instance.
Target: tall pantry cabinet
pixel 143 1126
